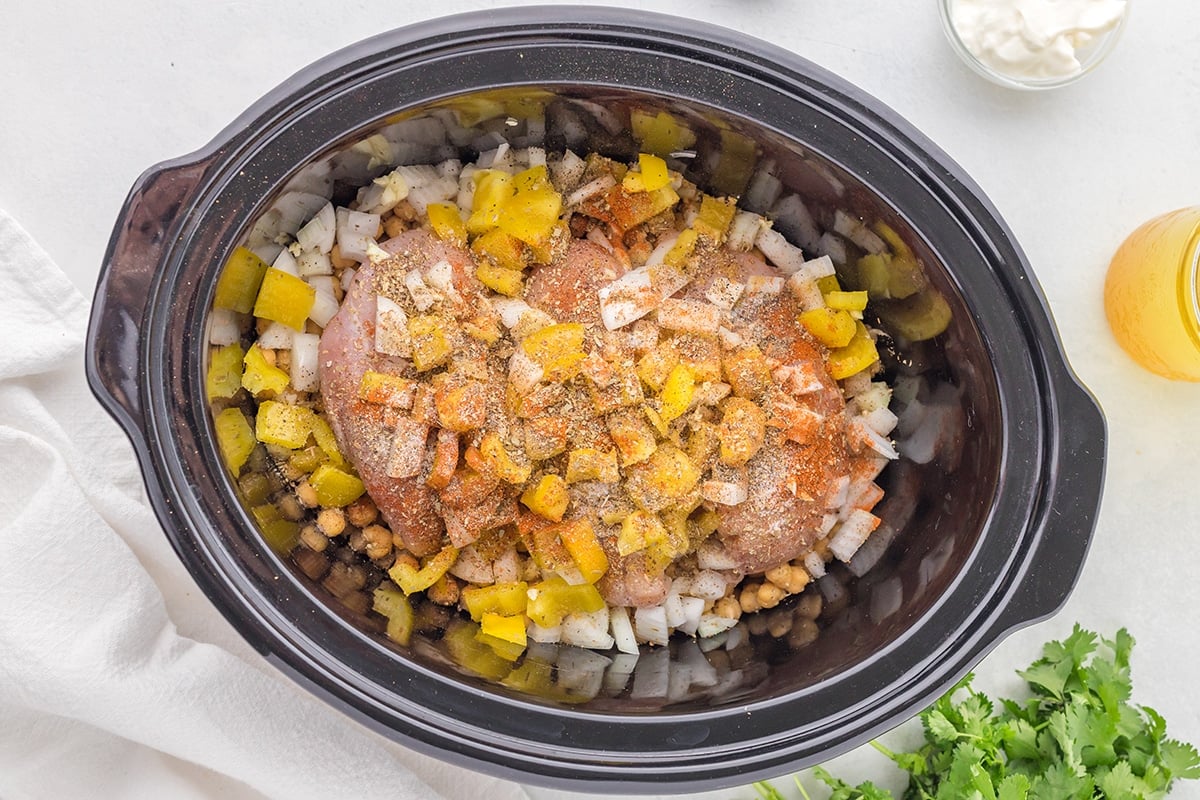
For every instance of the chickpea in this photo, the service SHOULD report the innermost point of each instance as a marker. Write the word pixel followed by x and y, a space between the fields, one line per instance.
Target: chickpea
pixel 338 260
pixel 362 512
pixel 769 595
pixel 306 494
pixel 290 508
pixel 444 591
pixel 404 557
pixel 331 521
pixel 728 607
pixel 378 541
pixel 748 599
pixel 394 226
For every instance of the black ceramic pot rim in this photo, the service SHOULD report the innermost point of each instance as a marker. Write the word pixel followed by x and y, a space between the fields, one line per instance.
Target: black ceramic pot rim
pixel 144 363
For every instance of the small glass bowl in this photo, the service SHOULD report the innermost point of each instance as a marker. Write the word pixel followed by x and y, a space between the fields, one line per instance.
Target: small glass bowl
pixel 1090 56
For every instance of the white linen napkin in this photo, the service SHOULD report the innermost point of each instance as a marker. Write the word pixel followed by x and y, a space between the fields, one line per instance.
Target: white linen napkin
pixel 117 677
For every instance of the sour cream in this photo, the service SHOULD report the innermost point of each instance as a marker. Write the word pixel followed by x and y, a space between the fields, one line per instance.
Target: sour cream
pixel 1033 39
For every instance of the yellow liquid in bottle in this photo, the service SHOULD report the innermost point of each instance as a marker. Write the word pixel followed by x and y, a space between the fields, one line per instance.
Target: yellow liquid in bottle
pixel 1150 295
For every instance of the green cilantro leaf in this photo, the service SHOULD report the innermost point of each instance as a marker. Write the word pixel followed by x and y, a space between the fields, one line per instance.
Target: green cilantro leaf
pixel 1077 736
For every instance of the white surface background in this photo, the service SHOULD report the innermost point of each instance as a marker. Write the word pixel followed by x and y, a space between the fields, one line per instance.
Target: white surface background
pixel 91 94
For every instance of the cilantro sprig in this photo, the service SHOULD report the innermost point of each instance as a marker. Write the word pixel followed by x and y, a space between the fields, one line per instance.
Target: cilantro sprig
pixel 1077 737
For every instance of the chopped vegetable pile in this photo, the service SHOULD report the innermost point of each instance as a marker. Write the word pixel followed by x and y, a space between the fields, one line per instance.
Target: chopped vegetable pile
pixel 579 470
pixel 1077 736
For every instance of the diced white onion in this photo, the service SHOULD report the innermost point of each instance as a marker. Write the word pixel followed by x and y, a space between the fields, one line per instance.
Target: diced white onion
pixel 348 278
pixel 422 296
pixel 312 262
pixel 815 565
pixel 589 190
pixel 743 230
pixel 712 556
pixel 440 190
pixel 523 372
pixel 708 584
pixel 850 535
pixel 793 218
pixel 856 231
pixel 304 361
pixel 762 192
pixel 673 609
pixel 472 567
pixel 224 326
pixel 286 262
pixel 355 230
pixel 839 492
pixel 723 292
pixel 325 306
pixel 711 624
pixel 567 172
pixel 276 336
pixel 588 630
pixel 638 292
pixel 441 277
pixel 622 630
pixel 806 291
pixel 832 245
pixel 881 420
pixel 544 635
pixel 510 310
pixel 786 257
pixel 873 440
pixel 650 624
pixel 317 234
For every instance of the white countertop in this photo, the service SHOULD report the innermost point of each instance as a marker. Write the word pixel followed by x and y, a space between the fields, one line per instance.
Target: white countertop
pixel 93 94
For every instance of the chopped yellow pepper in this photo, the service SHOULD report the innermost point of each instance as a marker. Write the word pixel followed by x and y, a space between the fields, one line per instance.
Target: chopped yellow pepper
pixel 531 214
pixel 493 188
pixel 504 627
pixel 260 376
pixel 447 224
pixel 678 255
pixel 677 393
pixel 846 301
pixel 235 438
pixel 395 606
pixel 589 464
pixel 284 298
pixel 499 598
pixel 498 460
pixel 323 434
pixel 557 349
pixel 652 175
pixel 547 499
pixel 661 134
pixel 462 642
pixel 238 285
pixel 580 540
pixel 502 280
pixel 335 487
pixel 410 579
pixel 552 599
pixel 283 424
pixel 638 530
pixel 385 389
pixel 830 327
pixel 225 372
pixel 856 356
pixel 714 217
pixel 501 249
pixel 430 347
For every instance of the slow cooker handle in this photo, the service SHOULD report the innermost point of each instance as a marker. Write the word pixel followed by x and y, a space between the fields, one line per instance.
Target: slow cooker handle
pixel 145 226
pixel 1068 521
